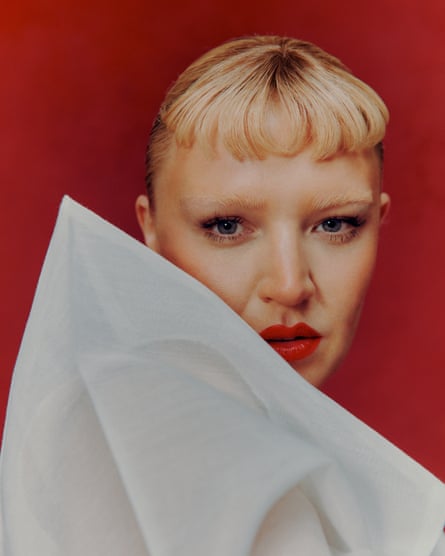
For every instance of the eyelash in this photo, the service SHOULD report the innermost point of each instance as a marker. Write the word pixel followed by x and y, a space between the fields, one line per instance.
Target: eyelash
pixel 218 236
pixel 354 223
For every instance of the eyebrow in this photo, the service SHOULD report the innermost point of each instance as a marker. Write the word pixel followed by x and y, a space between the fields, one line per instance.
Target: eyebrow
pixel 225 203
pixel 338 201
pixel 318 204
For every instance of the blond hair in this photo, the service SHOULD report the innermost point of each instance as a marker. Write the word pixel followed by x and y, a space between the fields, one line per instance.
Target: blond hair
pixel 231 93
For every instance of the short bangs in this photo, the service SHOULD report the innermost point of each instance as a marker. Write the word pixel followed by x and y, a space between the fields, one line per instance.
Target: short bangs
pixel 267 95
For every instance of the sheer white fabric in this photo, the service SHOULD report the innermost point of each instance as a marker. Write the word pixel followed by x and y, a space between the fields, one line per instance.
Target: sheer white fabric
pixel 146 418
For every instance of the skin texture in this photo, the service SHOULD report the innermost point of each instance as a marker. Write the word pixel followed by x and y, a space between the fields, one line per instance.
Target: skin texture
pixel 283 240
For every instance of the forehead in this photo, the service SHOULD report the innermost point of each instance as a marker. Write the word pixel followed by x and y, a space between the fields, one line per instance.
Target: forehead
pixel 215 171
pixel 195 183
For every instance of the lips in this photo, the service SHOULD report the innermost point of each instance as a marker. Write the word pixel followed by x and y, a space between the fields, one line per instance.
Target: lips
pixel 292 342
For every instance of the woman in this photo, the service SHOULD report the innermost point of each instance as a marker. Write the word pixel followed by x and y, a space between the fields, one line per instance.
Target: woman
pixel 146 417
pixel 264 183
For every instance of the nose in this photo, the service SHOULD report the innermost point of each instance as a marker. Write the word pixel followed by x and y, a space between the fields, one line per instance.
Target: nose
pixel 287 275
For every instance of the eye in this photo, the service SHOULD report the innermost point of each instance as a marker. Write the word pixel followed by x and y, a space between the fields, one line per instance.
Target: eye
pixel 225 228
pixel 332 225
pixel 340 229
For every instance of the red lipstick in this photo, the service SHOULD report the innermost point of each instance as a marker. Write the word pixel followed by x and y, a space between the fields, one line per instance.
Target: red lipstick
pixel 292 342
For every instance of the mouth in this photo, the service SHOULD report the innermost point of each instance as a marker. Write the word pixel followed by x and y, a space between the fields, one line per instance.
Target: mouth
pixel 293 343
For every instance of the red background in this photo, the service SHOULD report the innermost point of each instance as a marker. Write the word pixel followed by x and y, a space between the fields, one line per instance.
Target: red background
pixel 80 84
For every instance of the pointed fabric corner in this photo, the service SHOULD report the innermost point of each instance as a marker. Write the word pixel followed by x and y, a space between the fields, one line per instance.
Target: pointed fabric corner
pixel 146 418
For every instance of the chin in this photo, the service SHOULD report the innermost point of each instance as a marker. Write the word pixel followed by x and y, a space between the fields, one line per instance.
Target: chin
pixel 311 373
pixel 316 373
pixel 315 378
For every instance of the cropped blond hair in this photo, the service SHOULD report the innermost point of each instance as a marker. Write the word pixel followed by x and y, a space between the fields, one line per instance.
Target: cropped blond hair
pixel 230 93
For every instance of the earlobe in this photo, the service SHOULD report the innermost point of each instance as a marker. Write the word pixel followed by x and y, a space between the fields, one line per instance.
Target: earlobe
pixel 385 203
pixel 145 218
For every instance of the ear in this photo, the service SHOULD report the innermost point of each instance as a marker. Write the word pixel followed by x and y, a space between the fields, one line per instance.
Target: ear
pixel 385 203
pixel 145 218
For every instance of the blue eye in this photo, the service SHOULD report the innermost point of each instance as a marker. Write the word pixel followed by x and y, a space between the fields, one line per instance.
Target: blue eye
pixel 340 229
pixel 332 225
pixel 226 229
pixel 224 226
pixel 227 226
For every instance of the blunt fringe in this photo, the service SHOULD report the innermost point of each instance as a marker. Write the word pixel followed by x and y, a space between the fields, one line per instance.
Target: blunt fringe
pixel 232 93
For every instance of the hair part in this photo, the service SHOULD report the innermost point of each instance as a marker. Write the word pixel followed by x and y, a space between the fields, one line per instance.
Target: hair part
pixel 268 95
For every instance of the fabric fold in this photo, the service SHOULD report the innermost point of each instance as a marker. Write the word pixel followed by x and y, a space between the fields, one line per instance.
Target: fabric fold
pixel 147 418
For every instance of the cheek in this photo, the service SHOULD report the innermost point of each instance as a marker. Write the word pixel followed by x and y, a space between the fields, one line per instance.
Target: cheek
pixel 357 282
pixel 212 268
pixel 342 276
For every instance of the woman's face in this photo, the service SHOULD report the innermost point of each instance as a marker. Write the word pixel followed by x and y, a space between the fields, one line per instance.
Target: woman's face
pixel 288 243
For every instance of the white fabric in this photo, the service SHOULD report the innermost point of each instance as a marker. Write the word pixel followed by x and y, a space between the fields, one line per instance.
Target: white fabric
pixel 146 418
